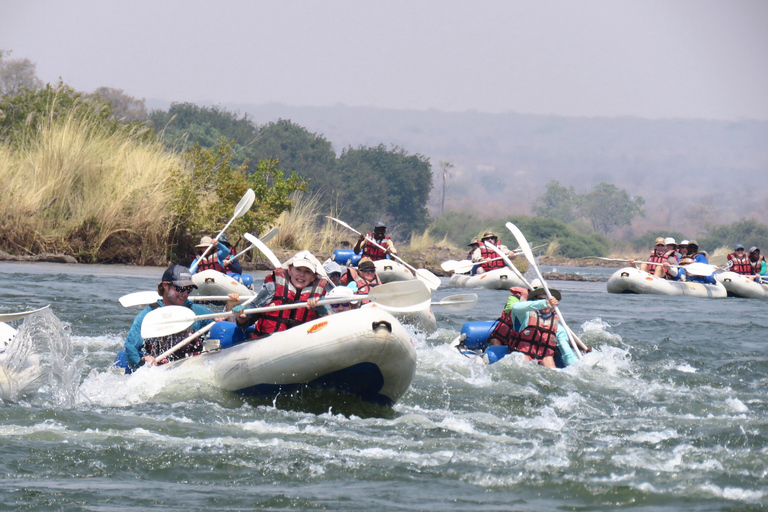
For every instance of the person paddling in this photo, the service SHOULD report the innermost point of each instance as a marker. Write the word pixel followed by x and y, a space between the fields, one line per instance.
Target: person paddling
pixel 214 259
pixel 370 250
pixel 738 261
pixel 174 291
pixel 529 325
pixel 298 283
pixel 488 259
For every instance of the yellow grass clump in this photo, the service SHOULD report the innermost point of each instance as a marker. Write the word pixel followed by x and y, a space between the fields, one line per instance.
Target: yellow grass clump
pixel 74 188
pixel 305 228
pixel 426 241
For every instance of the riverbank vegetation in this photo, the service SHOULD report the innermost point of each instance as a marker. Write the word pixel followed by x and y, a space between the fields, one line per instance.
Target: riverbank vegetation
pixel 97 177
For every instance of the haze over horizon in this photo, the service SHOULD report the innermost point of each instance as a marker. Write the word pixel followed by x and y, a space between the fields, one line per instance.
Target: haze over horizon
pixel 652 59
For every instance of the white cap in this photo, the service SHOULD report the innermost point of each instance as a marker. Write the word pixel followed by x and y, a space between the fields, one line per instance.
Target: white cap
pixel 331 266
pixel 340 291
pixel 684 242
pixel 670 241
pixel 536 283
pixel 304 259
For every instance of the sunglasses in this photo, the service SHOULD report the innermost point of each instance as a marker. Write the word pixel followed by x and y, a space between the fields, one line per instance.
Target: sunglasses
pixel 367 270
pixel 336 306
pixel 183 289
pixel 334 274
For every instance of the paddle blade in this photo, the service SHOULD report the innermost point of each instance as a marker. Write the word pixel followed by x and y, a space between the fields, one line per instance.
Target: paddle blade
pixel 699 269
pixel 522 242
pixel 264 249
pixel 245 203
pixel 138 299
pixel 401 294
pixel 269 235
pixel 449 265
pixel 9 317
pixel 428 278
pixel 462 267
pixel 461 302
pixel 166 320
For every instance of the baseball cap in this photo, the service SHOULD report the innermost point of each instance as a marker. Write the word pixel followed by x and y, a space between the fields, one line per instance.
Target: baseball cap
pixel 178 275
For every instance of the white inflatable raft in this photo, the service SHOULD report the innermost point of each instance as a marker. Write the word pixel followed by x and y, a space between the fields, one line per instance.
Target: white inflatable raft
pixel 738 285
pixel 391 270
pixel 633 280
pixel 497 279
pixel 365 352
pixel 20 373
pixel 212 282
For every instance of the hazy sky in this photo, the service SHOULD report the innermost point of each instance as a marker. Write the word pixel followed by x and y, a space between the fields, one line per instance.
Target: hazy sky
pixel 647 58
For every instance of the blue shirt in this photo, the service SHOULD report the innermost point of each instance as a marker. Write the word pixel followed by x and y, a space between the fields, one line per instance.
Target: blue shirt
pixel 221 255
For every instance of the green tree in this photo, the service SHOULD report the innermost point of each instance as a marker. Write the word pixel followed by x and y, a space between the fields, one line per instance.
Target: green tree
pixel 377 183
pixel 203 202
pixel 558 202
pixel 187 124
pixel 298 150
pixel 26 110
pixel 607 207
pixel 748 232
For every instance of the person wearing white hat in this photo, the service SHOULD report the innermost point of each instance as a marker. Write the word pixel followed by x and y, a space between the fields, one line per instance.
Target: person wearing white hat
pixel 300 282
pixel 214 259
pixel 683 249
pixel 339 292
pixel 333 270
pixel 671 247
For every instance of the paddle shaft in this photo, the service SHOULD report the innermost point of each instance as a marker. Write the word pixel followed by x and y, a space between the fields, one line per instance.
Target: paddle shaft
pixel 529 256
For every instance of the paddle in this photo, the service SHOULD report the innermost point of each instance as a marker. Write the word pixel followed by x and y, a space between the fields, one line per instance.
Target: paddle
pixel 461 267
pixel 242 207
pixel 461 302
pixel 264 249
pixel 266 238
pixel 185 341
pixel 9 317
pixel 529 256
pixel 430 279
pixel 145 298
pixel 398 295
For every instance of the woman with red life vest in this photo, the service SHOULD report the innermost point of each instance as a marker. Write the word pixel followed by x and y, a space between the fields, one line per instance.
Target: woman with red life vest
pixel 213 260
pixel 738 261
pixel 369 250
pixel 361 279
pixel 298 283
pixel 658 256
pixel 529 325
pixel 488 259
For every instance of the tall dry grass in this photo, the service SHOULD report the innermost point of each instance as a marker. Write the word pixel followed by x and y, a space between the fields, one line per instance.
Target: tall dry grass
pixel 424 241
pixel 305 227
pixel 72 188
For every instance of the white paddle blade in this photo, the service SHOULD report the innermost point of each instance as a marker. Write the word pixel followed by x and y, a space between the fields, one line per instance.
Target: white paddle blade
pixel 413 308
pixel 449 265
pixel 462 302
pixel 138 299
pixel 264 249
pixel 699 269
pixel 401 294
pixel 245 203
pixel 428 278
pixel 9 317
pixel 269 235
pixel 522 242
pixel 166 320
pixel 463 267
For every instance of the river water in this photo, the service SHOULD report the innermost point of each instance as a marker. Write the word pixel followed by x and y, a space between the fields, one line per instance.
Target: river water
pixel 669 412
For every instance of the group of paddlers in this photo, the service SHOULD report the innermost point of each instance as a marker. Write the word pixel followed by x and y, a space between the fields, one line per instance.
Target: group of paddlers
pixel 669 260
pixel 302 279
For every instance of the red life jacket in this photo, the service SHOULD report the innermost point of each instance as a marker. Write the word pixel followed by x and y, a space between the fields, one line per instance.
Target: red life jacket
pixel 538 339
pixel 363 286
pixel 286 293
pixel 741 266
pixel 373 252
pixel 210 262
pixel 490 254
pixel 655 258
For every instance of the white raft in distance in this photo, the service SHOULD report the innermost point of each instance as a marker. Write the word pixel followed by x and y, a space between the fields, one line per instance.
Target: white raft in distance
pixel 633 280
pixel 496 279
pixel 738 285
